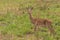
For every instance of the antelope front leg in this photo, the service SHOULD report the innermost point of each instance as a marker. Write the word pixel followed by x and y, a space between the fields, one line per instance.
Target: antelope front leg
pixel 35 28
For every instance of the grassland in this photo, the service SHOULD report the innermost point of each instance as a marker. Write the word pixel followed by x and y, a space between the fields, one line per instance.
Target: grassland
pixel 15 22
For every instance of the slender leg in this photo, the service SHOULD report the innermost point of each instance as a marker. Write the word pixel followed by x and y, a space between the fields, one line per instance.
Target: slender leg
pixel 51 29
pixel 36 32
pixel 36 28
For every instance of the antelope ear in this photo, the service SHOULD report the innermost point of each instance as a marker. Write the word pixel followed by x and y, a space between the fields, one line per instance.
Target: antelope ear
pixel 29 8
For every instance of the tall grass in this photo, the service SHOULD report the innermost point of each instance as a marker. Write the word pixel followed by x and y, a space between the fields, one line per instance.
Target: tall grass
pixel 20 25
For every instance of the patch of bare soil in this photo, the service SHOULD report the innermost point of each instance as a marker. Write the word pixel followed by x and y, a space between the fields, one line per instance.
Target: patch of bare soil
pixel 32 37
pixel 10 37
pixel 7 37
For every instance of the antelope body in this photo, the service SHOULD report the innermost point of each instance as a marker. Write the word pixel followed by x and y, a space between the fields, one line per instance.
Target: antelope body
pixel 38 22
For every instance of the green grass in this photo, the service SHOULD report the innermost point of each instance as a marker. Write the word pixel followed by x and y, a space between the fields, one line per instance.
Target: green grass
pixel 20 25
